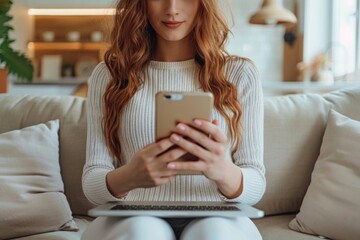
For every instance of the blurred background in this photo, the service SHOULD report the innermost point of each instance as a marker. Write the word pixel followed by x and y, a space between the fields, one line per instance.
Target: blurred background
pixel 316 48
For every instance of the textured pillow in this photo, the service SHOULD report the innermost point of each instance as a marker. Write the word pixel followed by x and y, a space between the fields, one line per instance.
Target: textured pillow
pixel 31 188
pixel 331 206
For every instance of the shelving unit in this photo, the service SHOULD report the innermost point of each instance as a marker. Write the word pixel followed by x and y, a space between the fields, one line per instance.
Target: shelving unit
pixel 82 54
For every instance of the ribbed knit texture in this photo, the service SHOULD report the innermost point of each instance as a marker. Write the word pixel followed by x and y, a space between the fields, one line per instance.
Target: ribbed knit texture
pixel 137 130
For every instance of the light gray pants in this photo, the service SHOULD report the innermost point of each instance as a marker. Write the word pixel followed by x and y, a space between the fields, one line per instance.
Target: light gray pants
pixel 146 228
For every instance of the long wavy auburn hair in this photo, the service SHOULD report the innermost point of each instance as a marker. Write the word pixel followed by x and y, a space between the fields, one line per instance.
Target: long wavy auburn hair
pixel 133 42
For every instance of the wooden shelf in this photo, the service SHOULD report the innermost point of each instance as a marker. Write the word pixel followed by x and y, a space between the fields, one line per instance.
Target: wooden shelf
pixel 60 81
pixel 73 46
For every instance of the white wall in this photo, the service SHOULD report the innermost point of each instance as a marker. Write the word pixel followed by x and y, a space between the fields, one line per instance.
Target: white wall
pixel 262 44
pixel 23 26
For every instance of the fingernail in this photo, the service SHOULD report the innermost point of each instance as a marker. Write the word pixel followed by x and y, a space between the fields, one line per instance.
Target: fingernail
pixel 175 137
pixel 171 166
pixel 181 127
pixel 197 122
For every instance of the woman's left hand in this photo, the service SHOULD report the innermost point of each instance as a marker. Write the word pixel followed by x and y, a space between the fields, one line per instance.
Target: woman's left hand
pixel 211 151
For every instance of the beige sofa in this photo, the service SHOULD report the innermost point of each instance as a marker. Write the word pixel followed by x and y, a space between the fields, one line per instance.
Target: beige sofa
pixel 294 127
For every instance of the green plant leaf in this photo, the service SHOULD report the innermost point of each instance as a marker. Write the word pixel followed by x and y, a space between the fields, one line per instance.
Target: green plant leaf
pixel 4 31
pixel 4 19
pixel 5 6
pixel 17 63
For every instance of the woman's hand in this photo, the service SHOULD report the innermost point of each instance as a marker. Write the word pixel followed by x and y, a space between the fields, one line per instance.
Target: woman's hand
pixel 211 153
pixel 148 168
pixel 149 165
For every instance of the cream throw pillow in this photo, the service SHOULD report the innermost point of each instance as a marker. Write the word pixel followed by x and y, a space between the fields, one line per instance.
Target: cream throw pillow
pixel 32 198
pixel 331 206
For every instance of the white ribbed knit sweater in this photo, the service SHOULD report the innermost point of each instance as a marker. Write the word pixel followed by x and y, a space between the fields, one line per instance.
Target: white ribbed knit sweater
pixel 137 130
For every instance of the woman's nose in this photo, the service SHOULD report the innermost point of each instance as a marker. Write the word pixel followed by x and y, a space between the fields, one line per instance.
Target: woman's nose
pixel 172 7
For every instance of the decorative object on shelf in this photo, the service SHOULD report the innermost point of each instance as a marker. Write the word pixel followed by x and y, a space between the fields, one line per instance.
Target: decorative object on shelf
pixel 15 62
pixel 85 66
pixel 323 75
pixel 97 36
pixel 272 12
pixel 318 70
pixel 321 69
pixel 73 36
pixel 48 36
pixel 51 67
pixel 68 71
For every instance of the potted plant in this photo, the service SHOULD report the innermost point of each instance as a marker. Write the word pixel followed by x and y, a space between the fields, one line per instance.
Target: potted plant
pixel 11 61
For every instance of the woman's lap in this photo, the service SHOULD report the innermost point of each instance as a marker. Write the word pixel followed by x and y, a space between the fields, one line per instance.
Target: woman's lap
pixel 142 227
pixel 221 228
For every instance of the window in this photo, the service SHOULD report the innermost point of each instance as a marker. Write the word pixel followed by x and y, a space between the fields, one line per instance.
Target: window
pixel 345 46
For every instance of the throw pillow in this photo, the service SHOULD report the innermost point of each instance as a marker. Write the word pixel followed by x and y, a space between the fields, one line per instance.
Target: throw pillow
pixel 331 205
pixel 31 188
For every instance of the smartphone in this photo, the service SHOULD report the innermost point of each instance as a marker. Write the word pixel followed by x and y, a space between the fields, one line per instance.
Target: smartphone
pixel 181 107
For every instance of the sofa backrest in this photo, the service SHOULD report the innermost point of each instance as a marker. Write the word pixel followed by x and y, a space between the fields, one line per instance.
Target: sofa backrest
pixel 17 112
pixel 294 128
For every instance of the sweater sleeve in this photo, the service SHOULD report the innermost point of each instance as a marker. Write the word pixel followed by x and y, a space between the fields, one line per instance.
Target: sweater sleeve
pixel 249 153
pixel 99 160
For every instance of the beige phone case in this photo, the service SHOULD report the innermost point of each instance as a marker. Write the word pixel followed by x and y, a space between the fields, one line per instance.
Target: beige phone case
pixel 175 107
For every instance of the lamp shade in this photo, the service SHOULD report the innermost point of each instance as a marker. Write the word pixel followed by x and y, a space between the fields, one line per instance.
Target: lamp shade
pixel 272 12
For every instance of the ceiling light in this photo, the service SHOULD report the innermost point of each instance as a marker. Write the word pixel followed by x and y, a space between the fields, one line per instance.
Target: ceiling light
pixel 272 12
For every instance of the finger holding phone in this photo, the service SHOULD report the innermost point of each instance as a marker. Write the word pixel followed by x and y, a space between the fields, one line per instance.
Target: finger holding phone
pixel 150 164
pixel 211 152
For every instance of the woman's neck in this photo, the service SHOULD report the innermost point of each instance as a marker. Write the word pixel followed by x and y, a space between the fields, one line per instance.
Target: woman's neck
pixel 174 51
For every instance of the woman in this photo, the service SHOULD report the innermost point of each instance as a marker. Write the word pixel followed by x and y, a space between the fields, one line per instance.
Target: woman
pixel 172 45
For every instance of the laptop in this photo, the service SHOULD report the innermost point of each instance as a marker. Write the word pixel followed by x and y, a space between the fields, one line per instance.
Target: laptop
pixel 176 209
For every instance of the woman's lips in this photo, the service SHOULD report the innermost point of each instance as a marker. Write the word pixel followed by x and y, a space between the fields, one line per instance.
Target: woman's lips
pixel 172 25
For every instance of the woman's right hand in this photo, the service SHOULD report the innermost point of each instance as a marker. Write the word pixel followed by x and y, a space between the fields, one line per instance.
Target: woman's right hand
pixel 148 168
pixel 149 165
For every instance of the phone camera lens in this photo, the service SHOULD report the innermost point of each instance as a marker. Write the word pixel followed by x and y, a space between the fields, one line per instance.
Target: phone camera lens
pixel 174 97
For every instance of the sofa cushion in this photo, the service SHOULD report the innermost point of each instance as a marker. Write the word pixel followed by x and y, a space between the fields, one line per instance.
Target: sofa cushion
pixel 331 204
pixel 81 222
pixel 31 189
pixel 293 130
pixel 276 228
pixel 17 112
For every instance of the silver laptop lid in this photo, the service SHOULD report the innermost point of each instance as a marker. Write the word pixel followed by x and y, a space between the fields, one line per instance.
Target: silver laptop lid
pixel 176 209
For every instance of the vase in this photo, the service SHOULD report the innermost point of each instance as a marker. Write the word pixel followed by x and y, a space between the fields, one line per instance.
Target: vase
pixel 3 80
pixel 323 76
